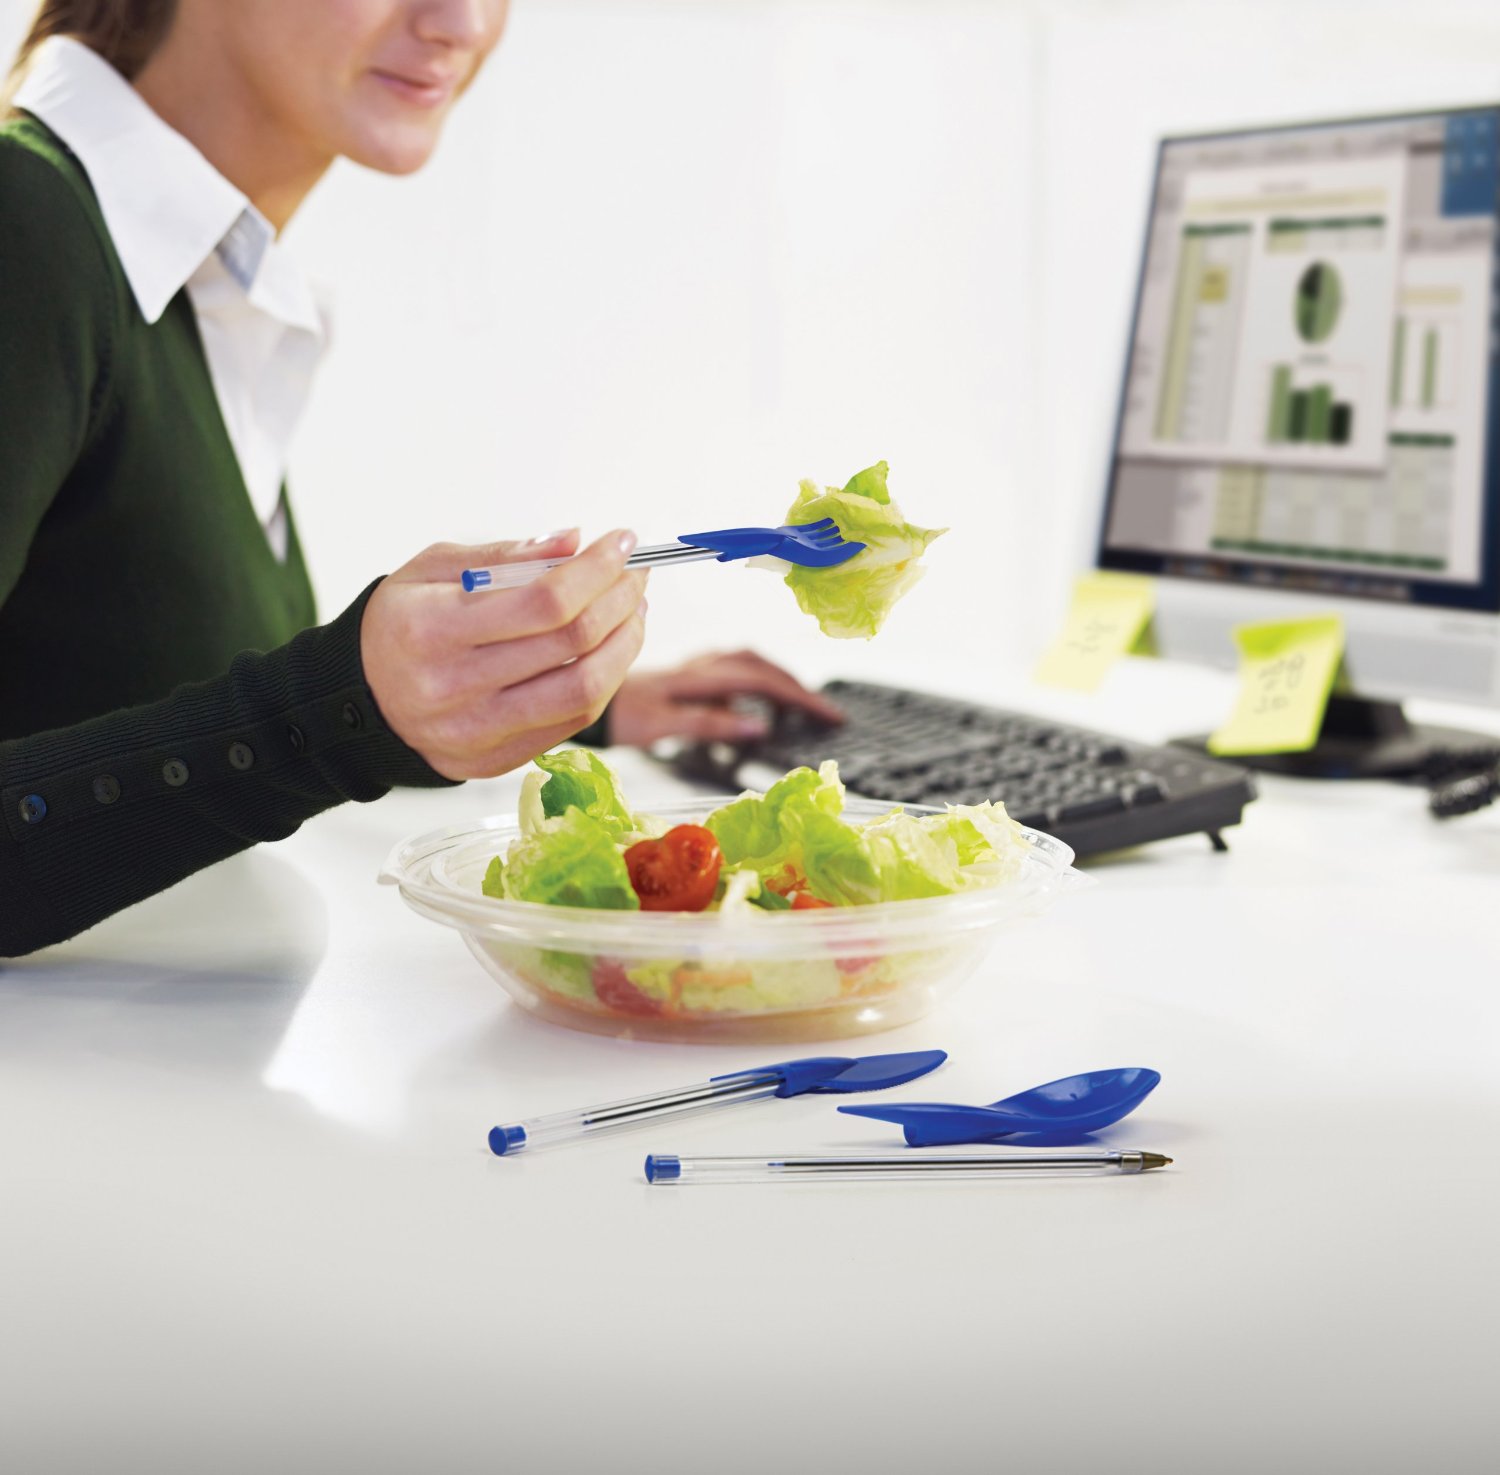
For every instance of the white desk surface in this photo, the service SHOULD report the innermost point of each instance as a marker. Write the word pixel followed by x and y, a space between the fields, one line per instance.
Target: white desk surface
pixel 249 1222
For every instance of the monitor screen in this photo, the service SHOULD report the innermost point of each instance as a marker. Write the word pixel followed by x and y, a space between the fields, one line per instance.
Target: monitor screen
pixel 1311 397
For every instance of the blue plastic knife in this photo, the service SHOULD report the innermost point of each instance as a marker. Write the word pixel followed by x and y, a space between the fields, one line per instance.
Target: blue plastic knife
pixel 817 1073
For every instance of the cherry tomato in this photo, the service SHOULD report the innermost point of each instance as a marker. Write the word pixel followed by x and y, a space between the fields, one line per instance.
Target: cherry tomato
pixel 677 873
pixel 805 901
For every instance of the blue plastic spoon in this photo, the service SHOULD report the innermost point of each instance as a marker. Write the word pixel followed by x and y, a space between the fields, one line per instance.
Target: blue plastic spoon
pixel 1060 1111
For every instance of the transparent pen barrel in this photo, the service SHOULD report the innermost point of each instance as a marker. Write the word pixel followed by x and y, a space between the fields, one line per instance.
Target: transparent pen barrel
pixel 668 1168
pixel 612 1116
pixel 513 575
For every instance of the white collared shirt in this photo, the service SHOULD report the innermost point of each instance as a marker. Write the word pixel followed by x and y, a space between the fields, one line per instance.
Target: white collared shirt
pixel 177 222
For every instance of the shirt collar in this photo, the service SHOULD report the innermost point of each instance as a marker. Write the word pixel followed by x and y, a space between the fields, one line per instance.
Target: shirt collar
pixel 167 208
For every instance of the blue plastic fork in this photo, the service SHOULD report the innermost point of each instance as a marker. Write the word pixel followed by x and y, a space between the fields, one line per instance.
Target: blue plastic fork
pixel 811 544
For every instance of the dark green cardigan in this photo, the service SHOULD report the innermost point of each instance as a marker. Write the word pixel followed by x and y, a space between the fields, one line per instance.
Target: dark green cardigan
pixel 165 699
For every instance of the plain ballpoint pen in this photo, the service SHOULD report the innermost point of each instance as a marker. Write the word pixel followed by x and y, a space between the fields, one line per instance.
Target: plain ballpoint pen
pixel 669 1168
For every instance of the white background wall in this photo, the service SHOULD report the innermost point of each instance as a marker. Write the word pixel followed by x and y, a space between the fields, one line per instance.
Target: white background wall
pixel 675 254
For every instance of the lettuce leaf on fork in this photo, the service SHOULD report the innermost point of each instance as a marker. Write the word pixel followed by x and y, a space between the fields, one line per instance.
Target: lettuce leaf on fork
pixel 852 599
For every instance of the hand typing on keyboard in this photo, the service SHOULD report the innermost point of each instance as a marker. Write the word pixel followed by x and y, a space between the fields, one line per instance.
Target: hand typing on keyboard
pixel 723 697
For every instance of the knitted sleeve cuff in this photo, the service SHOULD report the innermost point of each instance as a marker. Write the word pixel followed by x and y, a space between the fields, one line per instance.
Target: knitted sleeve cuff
pixel 97 816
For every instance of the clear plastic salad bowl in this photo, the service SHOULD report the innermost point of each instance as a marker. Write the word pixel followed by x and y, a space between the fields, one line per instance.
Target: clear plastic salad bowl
pixel 788 975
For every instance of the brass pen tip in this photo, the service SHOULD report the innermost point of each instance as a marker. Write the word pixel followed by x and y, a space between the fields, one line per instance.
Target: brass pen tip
pixel 1153 1160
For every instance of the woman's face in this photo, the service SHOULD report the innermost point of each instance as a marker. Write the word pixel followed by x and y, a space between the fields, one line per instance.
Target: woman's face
pixel 372 80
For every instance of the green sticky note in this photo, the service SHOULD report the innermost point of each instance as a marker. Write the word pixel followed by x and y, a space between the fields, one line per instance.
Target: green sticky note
pixel 1287 670
pixel 1109 617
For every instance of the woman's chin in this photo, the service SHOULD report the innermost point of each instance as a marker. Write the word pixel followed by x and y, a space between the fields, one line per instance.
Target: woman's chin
pixel 393 150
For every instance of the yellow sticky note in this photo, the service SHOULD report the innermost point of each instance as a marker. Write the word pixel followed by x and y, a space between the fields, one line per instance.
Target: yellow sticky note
pixel 1286 674
pixel 1108 617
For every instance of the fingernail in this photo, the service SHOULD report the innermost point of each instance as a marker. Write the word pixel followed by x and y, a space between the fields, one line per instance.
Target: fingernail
pixel 750 727
pixel 542 542
pixel 627 541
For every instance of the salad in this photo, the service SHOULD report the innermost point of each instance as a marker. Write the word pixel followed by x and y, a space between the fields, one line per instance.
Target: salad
pixel 750 861
pixel 788 849
pixel 853 598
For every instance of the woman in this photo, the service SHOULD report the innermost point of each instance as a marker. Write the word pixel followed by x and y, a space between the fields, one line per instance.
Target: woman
pixel 165 697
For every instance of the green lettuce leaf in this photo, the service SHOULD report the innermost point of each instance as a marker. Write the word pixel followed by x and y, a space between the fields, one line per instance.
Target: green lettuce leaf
pixel 494 879
pixel 760 831
pixel 793 836
pixel 903 857
pixel 990 845
pixel 573 860
pixel 965 847
pixel 853 598
pixel 837 861
pixel 579 779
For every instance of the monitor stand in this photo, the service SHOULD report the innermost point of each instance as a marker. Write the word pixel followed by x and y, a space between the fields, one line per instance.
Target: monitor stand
pixel 1365 739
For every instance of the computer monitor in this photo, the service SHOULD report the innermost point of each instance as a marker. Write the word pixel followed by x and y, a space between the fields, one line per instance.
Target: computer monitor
pixel 1309 417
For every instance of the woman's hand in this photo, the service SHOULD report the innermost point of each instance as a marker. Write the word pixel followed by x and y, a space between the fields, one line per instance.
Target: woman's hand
pixel 693 701
pixel 479 684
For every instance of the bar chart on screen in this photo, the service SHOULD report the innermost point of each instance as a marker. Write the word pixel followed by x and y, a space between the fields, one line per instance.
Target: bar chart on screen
pixel 1426 359
pixel 1312 406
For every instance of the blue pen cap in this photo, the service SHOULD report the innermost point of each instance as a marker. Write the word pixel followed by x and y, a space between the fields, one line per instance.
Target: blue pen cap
pixel 663 1167
pixel 507 1139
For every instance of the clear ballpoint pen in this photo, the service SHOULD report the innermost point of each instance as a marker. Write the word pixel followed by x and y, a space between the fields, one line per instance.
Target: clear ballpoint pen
pixel 823 1073
pixel 669 1168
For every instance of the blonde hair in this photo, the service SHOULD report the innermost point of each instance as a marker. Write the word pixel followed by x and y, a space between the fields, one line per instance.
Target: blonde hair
pixel 124 32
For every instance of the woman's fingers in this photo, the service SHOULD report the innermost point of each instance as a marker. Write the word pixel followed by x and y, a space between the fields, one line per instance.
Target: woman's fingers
pixel 793 692
pixel 506 663
pixel 512 752
pixel 703 724
pixel 550 602
pixel 579 692
pixel 478 683
pixel 733 678
pixel 569 697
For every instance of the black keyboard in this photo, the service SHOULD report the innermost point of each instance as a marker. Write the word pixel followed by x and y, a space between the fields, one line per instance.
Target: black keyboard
pixel 1093 791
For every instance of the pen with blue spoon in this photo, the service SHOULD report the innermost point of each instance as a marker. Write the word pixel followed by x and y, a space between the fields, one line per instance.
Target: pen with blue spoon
pixel 815 1074
pixel 1060 1111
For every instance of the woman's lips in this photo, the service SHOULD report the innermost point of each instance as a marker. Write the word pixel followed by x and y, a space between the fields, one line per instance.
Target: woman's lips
pixel 424 92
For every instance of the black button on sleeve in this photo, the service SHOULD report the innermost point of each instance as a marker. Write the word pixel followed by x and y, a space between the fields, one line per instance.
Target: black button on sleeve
pixel 241 756
pixel 106 788
pixel 33 809
pixel 295 737
pixel 352 718
pixel 175 772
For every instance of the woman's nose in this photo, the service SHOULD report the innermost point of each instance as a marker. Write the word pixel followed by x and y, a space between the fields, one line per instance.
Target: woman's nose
pixel 460 23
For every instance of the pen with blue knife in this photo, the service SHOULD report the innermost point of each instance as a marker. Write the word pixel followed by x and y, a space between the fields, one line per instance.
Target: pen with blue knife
pixel 833 1074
